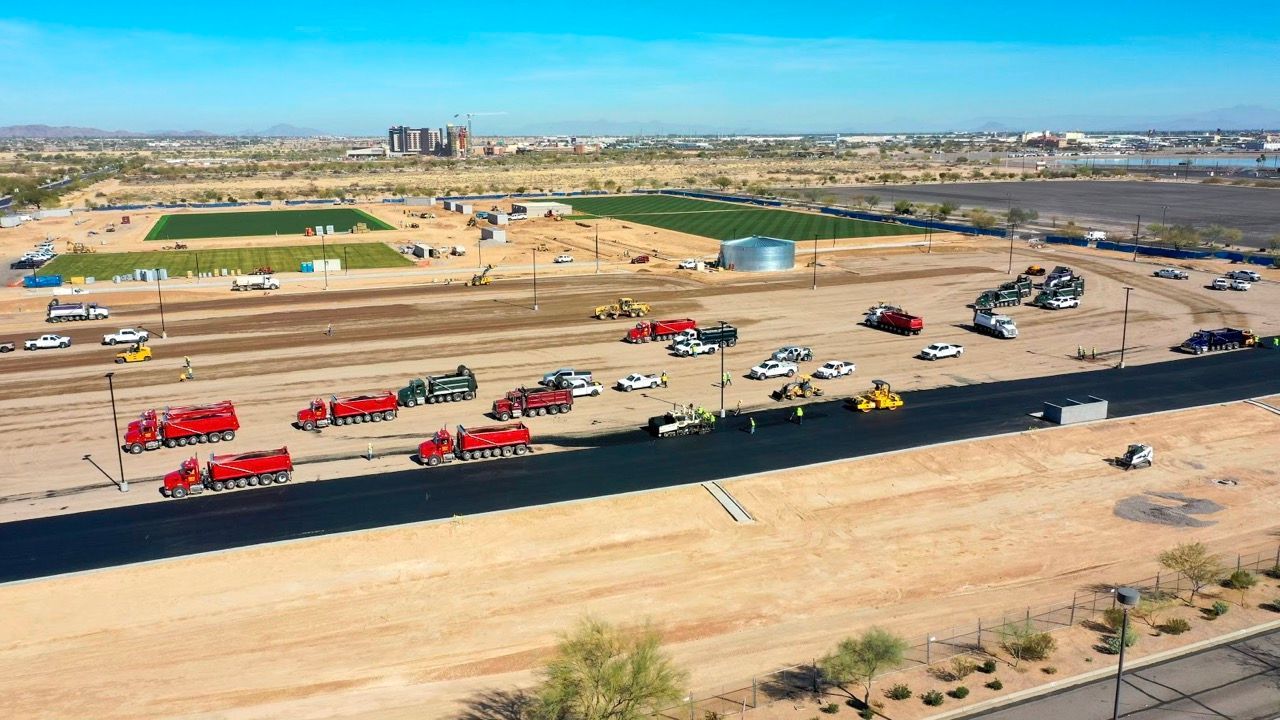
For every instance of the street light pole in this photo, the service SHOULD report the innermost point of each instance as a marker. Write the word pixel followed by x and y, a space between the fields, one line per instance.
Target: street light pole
pixel 1128 598
pixel 723 348
pixel 928 234
pixel 597 247
pixel 124 483
pixel 163 332
pixel 324 256
pixel 535 279
pixel 1124 333
pixel 480 253
pixel 1010 231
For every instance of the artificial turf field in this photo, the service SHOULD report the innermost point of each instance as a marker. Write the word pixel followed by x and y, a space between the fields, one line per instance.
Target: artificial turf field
pixel 263 222
pixel 355 256
pixel 725 220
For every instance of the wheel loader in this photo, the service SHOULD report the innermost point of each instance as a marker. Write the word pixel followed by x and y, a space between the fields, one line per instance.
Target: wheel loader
pixel 481 278
pixel 880 397
pixel 625 307
pixel 802 387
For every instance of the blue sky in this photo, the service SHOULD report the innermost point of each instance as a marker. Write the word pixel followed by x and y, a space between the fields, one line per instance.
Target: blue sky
pixel 712 67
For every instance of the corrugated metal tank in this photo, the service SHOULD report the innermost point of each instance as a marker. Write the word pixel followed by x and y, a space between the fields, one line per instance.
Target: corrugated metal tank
pixel 757 254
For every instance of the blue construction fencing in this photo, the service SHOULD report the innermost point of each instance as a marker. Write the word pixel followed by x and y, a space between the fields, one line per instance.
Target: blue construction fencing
pixel 1064 240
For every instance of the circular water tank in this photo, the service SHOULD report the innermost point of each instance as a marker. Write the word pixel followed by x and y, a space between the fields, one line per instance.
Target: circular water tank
pixel 757 254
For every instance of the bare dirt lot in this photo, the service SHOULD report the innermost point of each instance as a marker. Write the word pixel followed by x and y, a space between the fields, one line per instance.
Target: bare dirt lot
pixel 270 352
pixel 432 620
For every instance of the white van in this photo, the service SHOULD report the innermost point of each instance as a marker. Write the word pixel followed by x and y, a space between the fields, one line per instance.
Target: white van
pixel 1095 236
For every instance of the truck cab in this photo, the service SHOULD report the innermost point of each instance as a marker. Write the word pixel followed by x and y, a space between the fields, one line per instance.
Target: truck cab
pixel 436 449
pixel 143 433
pixel 186 480
pixel 314 416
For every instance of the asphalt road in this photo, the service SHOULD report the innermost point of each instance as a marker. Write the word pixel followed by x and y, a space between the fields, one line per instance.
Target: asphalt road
pixel 616 463
pixel 1237 681
pixel 1103 204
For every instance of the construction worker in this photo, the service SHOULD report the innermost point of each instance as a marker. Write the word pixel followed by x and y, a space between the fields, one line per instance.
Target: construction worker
pixel 663 379
pixel 329 330
pixel 726 380
pixel 752 425
pixel 798 414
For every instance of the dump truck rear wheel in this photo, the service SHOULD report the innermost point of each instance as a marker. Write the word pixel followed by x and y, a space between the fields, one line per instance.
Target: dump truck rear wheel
pixel 469 396
pixel 282 477
pixel 554 409
pixel 376 417
pixel 229 435
pixel 507 451
pixel 217 486
pixel 241 482
pixel 170 442
pixel 565 408
pixel 522 449
pixel 214 437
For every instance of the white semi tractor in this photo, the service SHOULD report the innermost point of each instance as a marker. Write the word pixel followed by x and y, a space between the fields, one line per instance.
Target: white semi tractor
pixel 1001 326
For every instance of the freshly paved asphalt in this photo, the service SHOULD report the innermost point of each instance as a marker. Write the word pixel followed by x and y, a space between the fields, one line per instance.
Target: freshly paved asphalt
pixel 617 463
pixel 1238 681
pixel 1110 204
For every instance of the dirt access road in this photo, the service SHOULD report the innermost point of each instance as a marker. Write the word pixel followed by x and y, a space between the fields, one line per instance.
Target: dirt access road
pixel 431 621
pixel 271 355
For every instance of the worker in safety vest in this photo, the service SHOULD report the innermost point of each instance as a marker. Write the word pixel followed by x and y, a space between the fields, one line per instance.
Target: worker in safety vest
pixel 726 380
pixel 663 379
pixel 799 414
pixel 753 426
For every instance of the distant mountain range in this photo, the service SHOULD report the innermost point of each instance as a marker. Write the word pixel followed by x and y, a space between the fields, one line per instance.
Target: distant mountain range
pixel 1240 117
pixel 67 131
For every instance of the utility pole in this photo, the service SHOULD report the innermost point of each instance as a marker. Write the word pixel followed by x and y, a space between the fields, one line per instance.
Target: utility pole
pixel 124 483
pixel 1137 233
pixel 1124 332
pixel 160 294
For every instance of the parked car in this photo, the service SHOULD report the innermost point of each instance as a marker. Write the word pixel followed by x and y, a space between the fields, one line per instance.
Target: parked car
pixel 793 353
pixel 938 351
pixel 582 387
pixel 126 335
pixel 45 342
pixel 690 264
pixel 1220 284
pixel 640 381
pixel 1172 274
pixel 834 369
pixel 1241 284
pixel 7 346
pixel 639 259
pixel 1248 275
pixel 772 368
pixel 564 258
pixel 483 215
pixel 1060 303
pixel 558 378
pixel 27 264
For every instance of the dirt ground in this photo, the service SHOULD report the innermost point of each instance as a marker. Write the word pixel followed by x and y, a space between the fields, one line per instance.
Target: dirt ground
pixel 439 620
pixel 270 352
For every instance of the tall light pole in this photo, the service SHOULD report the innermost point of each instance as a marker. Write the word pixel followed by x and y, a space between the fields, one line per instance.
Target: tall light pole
pixel 163 333
pixel 928 234
pixel 535 279
pixel 480 253
pixel 1124 332
pixel 324 256
pixel 723 348
pixel 1128 598
pixel 815 263
pixel 124 483
pixel 597 247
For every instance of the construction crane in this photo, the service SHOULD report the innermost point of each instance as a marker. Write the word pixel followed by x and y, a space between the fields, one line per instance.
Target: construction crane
pixel 468 116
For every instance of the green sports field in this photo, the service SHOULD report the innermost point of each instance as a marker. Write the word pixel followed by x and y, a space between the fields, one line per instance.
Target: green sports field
pixel 263 222
pixel 355 256
pixel 722 221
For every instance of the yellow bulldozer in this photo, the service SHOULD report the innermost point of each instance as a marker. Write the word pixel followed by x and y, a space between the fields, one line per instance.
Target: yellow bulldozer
pixel 481 278
pixel 625 307
pixel 801 387
pixel 880 397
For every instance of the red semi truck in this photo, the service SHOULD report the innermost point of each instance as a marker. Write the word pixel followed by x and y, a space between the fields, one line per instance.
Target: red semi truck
pixel 225 472
pixel 540 401
pixel 659 329
pixel 348 410
pixel 894 319
pixel 184 425
pixel 492 441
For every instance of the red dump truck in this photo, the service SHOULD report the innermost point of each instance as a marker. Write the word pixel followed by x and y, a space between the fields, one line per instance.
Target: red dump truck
pixel 894 319
pixel 539 401
pixel 492 441
pixel 225 472
pixel 184 425
pixel 348 410
pixel 649 330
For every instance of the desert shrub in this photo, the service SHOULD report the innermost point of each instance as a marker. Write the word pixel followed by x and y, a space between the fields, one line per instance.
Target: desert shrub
pixel 962 667
pixel 1176 626
pixel 867 714
pixel 1218 609
pixel 988 666
pixel 898 692
pixel 933 698
pixel 1274 573
pixel 995 684
pixel 830 708
pixel 1241 580
pixel 1112 618
pixel 1112 643
pixel 960 693
pixel 1031 646
pixel 1049 670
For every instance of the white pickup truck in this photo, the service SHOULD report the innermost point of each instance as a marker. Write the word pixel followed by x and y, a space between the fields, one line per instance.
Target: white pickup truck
pixel 772 368
pixel 46 342
pixel 696 347
pixel 640 381
pixel 126 335
pixel 255 282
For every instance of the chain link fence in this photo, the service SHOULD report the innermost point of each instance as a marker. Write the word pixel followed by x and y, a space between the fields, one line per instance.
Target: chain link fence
pixel 798 683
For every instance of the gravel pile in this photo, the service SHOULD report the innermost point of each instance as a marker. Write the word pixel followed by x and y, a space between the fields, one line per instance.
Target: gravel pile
pixel 1147 508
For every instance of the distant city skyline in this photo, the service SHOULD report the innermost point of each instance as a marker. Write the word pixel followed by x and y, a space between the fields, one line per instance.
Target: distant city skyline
pixel 563 68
